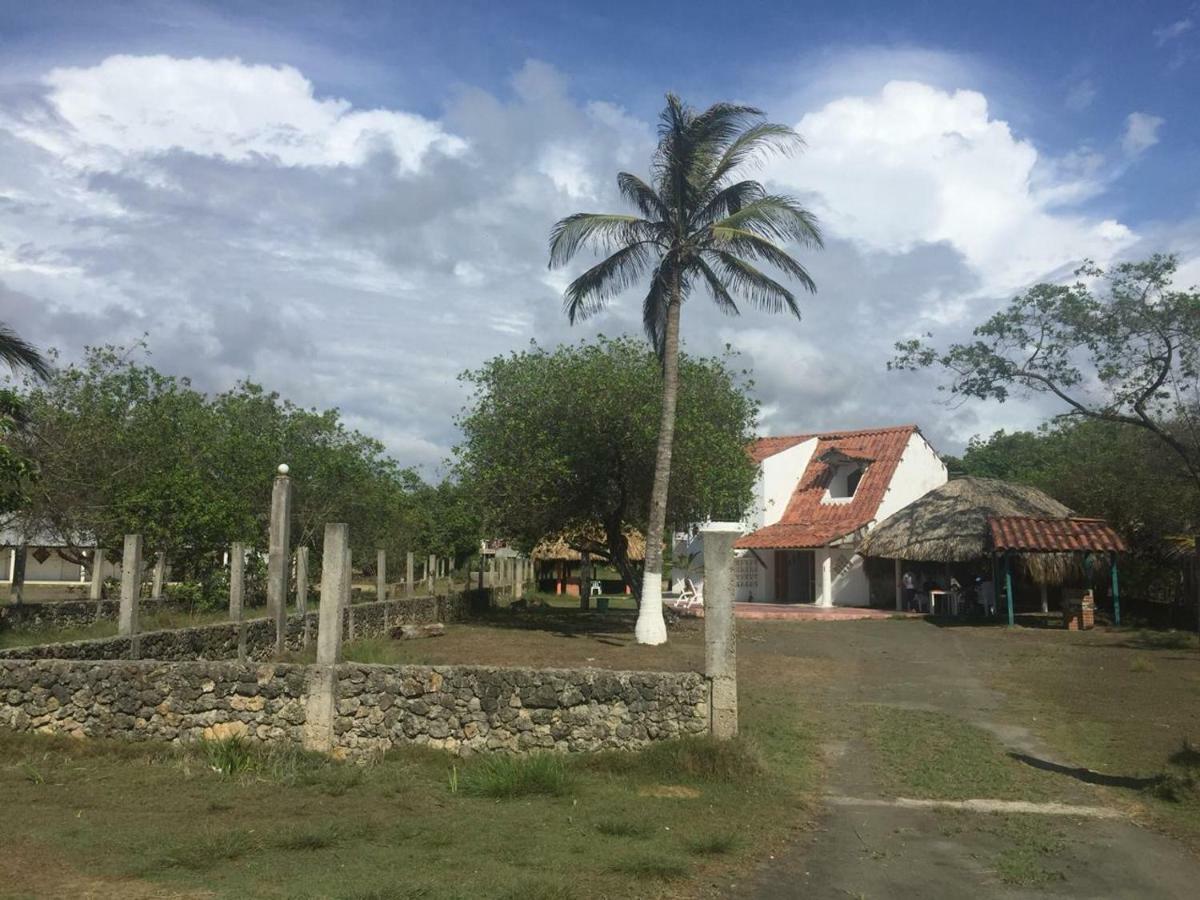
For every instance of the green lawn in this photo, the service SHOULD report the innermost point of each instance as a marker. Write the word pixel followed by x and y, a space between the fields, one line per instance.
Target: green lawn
pixel 117 820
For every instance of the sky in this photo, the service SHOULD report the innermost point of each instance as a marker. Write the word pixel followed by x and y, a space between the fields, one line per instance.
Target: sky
pixel 350 203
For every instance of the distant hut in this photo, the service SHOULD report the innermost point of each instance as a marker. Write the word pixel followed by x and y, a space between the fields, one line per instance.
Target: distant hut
pixel 560 560
pixel 974 525
pixel 950 523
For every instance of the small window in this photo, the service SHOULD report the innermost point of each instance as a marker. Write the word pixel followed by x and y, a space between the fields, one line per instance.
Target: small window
pixel 852 481
pixel 844 482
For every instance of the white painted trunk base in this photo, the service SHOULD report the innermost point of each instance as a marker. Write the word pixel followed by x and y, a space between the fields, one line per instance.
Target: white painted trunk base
pixel 651 628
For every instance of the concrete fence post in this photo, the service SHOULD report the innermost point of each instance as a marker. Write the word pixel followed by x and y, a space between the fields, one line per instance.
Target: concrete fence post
pixel 96 589
pixel 409 584
pixel 237 594
pixel 131 591
pixel 17 590
pixel 321 700
pixel 720 632
pixel 160 576
pixel 302 580
pixel 302 590
pixel 348 592
pixel 335 582
pixel 279 554
pixel 429 569
pixel 380 574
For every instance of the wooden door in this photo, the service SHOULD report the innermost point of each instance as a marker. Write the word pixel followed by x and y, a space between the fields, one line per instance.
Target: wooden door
pixel 781 576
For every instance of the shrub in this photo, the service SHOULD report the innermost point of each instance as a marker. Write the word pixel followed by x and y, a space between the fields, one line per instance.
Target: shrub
pixel 505 777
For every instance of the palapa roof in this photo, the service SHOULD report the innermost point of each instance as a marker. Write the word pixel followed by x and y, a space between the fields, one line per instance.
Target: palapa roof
pixel 1033 535
pixel 810 520
pixel 559 546
pixel 951 522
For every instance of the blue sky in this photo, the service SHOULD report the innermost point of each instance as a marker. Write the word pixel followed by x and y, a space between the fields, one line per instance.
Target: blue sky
pixel 349 202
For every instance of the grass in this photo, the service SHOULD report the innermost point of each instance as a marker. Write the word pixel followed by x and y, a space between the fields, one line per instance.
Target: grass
pixel 1121 702
pixel 508 777
pixel 936 756
pixel 236 819
pixel 664 821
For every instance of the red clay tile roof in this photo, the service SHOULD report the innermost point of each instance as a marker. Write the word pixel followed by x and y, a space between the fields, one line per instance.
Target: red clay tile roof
pixel 807 522
pixel 1054 535
pixel 763 447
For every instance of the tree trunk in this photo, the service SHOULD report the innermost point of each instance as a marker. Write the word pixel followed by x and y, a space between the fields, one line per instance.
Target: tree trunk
pixel 651 629
pixel 618 555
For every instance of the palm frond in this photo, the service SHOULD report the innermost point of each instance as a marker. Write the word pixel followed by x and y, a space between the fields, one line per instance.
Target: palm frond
pixel 776 218
pixel 746 243
pixel 727 201
pixel 20 354
pixel 654 307
pixel 643 197
pixel 606 232
pixel 759 288
pixel 589 293
pixel 757 141
pixel 718 290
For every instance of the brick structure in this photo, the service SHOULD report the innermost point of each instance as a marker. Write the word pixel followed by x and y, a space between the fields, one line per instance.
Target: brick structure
pixel 1079 612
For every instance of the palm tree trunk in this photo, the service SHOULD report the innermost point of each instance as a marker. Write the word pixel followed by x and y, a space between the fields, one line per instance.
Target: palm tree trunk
pixel 651 629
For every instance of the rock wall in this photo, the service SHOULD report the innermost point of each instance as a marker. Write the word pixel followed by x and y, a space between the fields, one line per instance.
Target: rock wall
pixel 458 708
pixel 52 615
pixel 476 708
pixel 151 701
pixel 220 640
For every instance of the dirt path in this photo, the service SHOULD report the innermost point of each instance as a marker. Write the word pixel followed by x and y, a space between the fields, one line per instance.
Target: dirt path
pixel 870 845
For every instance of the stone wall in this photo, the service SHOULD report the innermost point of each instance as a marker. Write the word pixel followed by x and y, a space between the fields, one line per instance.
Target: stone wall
pixel 220 640
pixel 475 708
pixel 51 615
pixel 153 701
pixel 458 708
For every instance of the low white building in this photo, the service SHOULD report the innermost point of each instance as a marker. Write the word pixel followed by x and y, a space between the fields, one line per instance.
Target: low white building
pixel 45 560
pixel 816 497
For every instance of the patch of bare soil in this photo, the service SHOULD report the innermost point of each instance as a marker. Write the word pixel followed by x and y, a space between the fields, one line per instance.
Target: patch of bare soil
pixel 30 870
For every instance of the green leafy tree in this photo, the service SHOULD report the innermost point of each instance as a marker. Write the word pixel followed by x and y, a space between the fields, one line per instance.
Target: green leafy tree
pixel 1125 352
pixel 564 441
pixel 123 448
pixel 699 224
pixel 16 470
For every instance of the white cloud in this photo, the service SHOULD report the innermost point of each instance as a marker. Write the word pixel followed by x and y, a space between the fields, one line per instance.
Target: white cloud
pixel 363 258
pixel 134 106
pixel 1141 133
pixel 1174 31
pixel 914 164
pixel 1080 95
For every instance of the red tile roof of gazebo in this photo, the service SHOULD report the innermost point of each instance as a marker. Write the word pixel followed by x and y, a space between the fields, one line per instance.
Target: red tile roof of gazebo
pixel 1034 535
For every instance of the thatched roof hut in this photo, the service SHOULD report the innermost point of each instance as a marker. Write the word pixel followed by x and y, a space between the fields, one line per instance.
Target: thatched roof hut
pixel 559 547
pixel 950 523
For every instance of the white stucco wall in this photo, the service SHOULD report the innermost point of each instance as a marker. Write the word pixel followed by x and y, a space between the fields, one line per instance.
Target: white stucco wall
pixel 778 477
pixel 55 568
pixel 919 471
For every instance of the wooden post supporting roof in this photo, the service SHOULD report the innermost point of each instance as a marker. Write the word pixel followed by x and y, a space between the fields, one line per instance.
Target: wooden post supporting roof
pixel 1008 587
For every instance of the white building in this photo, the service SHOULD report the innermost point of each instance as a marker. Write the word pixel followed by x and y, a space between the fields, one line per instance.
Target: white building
pixel 816 497
pixel 45 560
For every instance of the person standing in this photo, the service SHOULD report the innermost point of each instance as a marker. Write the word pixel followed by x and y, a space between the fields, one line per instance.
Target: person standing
pixel 909 583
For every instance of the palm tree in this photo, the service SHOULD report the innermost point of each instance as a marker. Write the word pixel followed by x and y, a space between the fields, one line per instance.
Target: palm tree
pixel 20 354
pixel 698 225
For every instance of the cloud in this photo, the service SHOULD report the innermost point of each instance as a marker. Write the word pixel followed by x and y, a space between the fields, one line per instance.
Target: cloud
pixel 914 164
pixel 1172 32
pixel 135 106
pixel 1141 133
pixel 363 258
pixel 1080 95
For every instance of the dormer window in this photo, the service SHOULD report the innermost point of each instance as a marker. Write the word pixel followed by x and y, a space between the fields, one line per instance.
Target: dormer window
pixel 844 482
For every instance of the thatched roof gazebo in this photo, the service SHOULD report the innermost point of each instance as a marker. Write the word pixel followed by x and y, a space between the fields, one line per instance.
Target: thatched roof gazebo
pixel 969 519
pixel 950 523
